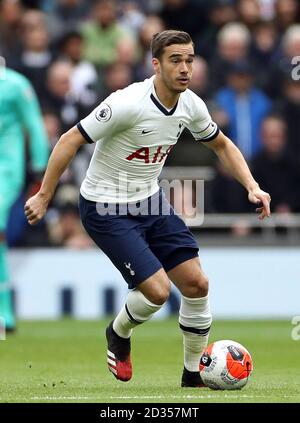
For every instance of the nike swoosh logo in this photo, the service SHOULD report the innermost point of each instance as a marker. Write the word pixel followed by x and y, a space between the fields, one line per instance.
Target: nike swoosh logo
pixel 146 132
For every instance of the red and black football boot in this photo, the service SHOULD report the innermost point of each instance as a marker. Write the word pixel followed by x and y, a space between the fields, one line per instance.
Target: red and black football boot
pixel 118 355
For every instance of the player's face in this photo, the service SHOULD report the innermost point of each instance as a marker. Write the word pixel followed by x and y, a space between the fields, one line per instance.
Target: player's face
pixel 176 66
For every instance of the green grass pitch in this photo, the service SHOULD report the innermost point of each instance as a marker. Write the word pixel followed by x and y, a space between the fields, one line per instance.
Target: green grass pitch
pixel 65 361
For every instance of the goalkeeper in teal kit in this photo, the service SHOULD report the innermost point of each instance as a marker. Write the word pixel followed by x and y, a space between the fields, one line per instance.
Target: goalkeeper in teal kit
pixel 20 117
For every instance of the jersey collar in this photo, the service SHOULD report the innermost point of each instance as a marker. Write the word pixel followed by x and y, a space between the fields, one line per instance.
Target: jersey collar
pixel 154 98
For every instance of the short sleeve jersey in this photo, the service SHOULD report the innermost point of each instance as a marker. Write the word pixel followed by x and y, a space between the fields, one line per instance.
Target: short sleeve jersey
pixel 134 134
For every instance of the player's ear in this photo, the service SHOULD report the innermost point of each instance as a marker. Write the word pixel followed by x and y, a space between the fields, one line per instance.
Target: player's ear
pixel 156 65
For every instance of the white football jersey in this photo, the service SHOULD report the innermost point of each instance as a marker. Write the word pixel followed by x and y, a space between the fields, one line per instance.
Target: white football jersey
pixel 134 134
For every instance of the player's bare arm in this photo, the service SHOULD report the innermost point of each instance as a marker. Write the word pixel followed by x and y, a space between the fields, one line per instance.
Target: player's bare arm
pixel 233 160
pixel 62 155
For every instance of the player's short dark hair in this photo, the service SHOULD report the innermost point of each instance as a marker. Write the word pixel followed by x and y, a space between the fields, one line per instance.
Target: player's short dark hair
pixel 166 38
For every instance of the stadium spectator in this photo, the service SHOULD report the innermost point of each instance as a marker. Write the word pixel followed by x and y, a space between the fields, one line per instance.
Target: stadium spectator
pixel 265 44
pixel 84 78
pixel 291 43
pixel 132 17
pixel 102 35
pixel 60 99
pixel 36 55
pixel 62 102
pixel 127 52
pixel 117 76
pixel 66 15
pixel 249 13
pixel 10 24
pixel 286 13
pixel 220 12
pixel 274 167
pixel 282 65
pixel 245 107
pixel 233 45
pixel 267 10
pixel 289 107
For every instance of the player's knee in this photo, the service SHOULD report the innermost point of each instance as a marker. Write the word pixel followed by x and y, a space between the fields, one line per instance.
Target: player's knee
pixel 161 292
pixel 197 287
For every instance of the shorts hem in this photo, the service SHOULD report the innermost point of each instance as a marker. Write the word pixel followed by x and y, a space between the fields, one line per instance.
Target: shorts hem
pixel 180 256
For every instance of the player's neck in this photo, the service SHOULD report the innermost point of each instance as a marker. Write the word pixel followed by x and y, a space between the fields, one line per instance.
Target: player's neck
pixel 166 97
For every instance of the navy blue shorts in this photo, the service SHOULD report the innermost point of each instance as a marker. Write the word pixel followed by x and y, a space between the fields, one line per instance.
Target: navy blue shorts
pixel 139 243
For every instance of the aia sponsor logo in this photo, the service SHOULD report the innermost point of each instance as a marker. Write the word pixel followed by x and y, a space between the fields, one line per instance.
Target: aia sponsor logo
pixel 145 154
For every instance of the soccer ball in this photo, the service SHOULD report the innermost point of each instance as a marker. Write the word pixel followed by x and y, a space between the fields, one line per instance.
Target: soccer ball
pixel 225 365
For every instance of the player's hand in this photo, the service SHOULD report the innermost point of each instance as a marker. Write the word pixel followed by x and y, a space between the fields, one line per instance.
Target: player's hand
pixel 35 208
pixel 262 198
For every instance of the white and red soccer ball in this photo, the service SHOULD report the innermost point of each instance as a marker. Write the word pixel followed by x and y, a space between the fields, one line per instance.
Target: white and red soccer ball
pixel 225 365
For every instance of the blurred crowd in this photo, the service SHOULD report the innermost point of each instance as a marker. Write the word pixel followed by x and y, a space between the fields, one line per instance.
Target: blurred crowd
pixel 76 52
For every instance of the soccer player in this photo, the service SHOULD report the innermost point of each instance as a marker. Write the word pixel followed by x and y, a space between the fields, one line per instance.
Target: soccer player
pixel 135 129
pixel 19 114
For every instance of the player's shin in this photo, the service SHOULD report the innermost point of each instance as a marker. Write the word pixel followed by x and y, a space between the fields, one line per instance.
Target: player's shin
pixel 195 321
pixel 137 309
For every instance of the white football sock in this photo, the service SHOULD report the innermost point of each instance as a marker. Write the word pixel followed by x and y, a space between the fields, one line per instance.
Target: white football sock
pixel 137 309
pixel 195 321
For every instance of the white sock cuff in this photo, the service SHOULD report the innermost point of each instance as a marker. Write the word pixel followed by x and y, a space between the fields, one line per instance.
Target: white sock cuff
pixel 195 314
pixel 138 295
pixel 148 302
pixel 139 308
pixel 200 300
